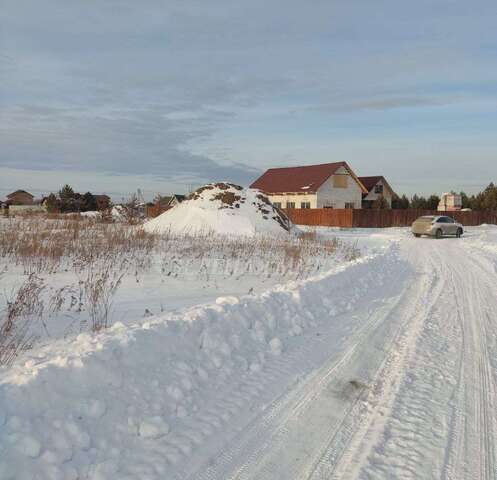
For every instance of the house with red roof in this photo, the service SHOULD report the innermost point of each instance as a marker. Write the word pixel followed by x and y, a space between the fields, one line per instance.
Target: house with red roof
pixel 377 188
pixel 328 185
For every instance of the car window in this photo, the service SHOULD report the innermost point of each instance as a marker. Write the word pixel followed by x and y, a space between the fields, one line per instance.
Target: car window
pixel 441 220
pixel 449 220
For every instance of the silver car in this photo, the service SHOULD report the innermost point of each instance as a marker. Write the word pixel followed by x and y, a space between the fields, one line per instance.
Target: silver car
pixel 438 227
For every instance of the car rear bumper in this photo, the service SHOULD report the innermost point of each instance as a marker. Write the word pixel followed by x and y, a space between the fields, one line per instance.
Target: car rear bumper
pixel 422 230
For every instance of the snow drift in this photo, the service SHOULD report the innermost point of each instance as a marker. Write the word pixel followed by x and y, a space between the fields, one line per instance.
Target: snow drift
pixel 224 209
pixel 137 402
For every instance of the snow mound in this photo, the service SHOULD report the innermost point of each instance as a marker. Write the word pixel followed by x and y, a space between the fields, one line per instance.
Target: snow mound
pixel 224 209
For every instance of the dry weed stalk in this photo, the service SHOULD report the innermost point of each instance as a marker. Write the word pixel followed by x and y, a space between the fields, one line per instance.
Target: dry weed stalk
pixel 23 307
pixel 99 287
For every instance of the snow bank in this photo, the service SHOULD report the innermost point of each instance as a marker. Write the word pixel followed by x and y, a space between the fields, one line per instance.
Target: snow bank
pixel 134 401
pixel 225 209
pixel 117 213
pixel 90 214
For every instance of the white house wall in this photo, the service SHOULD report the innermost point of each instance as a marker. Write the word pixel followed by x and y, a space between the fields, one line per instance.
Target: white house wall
pixel 296 198
pixel 328 195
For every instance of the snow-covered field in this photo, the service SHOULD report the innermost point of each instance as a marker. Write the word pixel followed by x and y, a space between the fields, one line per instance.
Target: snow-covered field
pixel 379 366
pixel 79 272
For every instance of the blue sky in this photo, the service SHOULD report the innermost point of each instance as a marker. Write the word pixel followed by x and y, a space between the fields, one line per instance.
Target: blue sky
pixel 161 95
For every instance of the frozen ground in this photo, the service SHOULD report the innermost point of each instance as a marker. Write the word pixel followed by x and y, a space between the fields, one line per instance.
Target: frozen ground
pixel 384 368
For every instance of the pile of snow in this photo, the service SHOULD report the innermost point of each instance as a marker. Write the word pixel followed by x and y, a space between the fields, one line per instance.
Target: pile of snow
pixel 138 402
pixel 224 209
pixel 89 214
pixel 117 213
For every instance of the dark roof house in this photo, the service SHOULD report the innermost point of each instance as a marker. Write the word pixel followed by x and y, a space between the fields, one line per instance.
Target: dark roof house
pixel 377 186
pixel 371 182
pixel 20 197
pixel 178 198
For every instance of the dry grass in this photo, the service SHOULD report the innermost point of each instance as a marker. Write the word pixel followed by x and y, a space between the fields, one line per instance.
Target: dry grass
pixel 23 307
pixel 96 256
pixel 41 246
pixel 47 246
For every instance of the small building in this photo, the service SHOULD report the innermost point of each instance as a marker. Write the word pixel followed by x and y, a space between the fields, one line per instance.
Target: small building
pixel 20 197
pixel 450 202
pixel 377 188
pixel 328 185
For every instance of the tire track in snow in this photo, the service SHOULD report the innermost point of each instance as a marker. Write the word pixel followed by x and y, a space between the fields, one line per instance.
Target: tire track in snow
pixel 256 451
pixel 477 420
pixel 416 436
pixel 431 409
pixel 254 438
pixel 365 430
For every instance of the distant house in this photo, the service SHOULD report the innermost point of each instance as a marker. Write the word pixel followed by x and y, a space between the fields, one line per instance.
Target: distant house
pixel 169 200
pixel 377 187
pixel 103 202
pixel 328 185
pixel 450 202
pixel 20 197
pixel 176 199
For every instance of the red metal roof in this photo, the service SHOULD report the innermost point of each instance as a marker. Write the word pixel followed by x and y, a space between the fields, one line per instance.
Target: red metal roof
pixel 306 179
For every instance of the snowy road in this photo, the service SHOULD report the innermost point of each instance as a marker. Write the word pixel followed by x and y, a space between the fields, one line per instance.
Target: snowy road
pixel 410 394
pixel 385 368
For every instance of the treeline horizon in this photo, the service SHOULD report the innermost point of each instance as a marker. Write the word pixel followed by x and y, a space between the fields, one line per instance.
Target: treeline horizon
pixel 66 200
pixel 485 200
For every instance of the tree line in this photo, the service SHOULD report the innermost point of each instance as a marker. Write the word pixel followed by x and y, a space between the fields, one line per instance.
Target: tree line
pixel 485 200
pixel 69 201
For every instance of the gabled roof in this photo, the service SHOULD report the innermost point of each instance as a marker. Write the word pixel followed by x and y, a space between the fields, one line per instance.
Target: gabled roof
pixel 306 179
pixel 167 200
pixel 19 191
pixel 370 182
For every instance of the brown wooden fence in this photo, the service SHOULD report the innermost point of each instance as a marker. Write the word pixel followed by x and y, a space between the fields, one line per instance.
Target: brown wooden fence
pixel 327 217
pixel 379 218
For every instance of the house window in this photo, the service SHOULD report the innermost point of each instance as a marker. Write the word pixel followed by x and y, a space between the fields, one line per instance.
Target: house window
pixel 349 205
pixel 290 204
pixel 305 205
pixel 340 181
pixel 277 204
pixel 378 189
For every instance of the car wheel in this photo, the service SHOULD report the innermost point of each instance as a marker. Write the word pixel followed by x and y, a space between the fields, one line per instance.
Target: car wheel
pixel 439 233
pixel 417 235
pixel 459 233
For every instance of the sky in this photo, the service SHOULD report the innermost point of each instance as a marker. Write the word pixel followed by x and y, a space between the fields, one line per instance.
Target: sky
pixel 112 96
